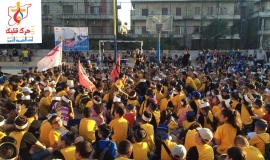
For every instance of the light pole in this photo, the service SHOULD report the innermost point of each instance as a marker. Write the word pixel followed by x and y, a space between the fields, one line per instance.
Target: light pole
pixel 263 20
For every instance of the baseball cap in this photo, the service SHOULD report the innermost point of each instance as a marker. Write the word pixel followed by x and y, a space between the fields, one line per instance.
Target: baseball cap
pixel 225 90
pixel 26 89
pixel 196 94
pixel 48 89
pixel 205 133
pixel 42 83
pixel 179 152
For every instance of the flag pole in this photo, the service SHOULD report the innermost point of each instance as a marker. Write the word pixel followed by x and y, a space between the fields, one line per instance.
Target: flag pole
pixel 114 29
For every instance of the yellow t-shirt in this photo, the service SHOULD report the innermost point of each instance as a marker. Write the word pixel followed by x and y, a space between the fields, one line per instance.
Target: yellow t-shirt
pixel 163 104
pixel 54 135
pixel 87 129
pixel 226 134
pixel 13 96
pixel 120 129
pixel 259 111
pixel 140 151
pixel 150 135
pixel 44 105
pixel 176 100
pixel 165 90
pixel 205 151
pixel 61 93
pixel 189 139
pixel 120 84
pixel 2 135
pixel 23 111
pixel 77 99
pixel 253 153
pixel 134 102
pixel 122 158
pixel 45 129
pixel 106 97
pixel 69 152
pixel 197 83
pixel 191 83
pixel 234 103
pixel 89 104
pixel 25 53
pixel 159 96
pixel 164 154
pixel 215 109
pixel 187 124
pixel 245 116
pixel 260 143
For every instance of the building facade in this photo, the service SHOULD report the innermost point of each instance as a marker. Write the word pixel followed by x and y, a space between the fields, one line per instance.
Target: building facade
pixel 189 16
pixel 97 15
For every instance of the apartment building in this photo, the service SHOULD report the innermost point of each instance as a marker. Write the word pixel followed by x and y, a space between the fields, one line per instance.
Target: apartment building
pixel 189 16
pixel 261 12
pixel 97 15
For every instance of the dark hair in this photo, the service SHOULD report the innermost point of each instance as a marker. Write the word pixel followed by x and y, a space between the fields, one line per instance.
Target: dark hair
pixel 209 78
pixel 233 118
pixel 99 84
pixel 164 116
pixel 87 112
pixel 236 153
pixel 120 111
pixel 8 151
pixel 31 112
pixel 105 129
pixel 195 125
pixel 10 106
pixel 84 148
pixel 124 147
pixel 9 139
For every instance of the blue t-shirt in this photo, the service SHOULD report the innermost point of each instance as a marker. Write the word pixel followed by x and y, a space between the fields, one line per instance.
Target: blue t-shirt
pixel 104 143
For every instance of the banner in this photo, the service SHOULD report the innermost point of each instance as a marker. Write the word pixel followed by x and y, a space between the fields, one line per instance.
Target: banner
pixel 84 80
pixel 72 38
pixel 20 21
pixel 52 59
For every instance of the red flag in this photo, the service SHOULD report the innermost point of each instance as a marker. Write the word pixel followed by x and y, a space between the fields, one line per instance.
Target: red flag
pixel 115 71
pixel 84 80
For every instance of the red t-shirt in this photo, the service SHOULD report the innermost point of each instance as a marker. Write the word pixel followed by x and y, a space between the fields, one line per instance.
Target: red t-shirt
pixel 130 118
pixel 267 118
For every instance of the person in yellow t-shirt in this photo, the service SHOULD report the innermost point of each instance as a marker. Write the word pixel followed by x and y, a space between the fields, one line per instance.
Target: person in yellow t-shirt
pixel 166 101
pixel 2 129
pixel 87 127
pixel 159 95
pixel 176 100
pixel 202 150
pixel 125 150
pixel 206 117
pixel 163 153
pixel 119 125
pixel 196 80
pixel 57 129
pixel 190 85
pixel 141 150
pixel 121 81
pixel 83 150
pixel 252 152
pixel 25 55
pixel 146 118
pixel 262 137
pixel 133 99
pixel 152 107
pixel 45 102
pixel 258 109
pixel 64 92
pixel 225 134
pixel 65 143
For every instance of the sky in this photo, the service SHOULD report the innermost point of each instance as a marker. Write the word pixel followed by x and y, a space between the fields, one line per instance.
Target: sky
pixel 124 12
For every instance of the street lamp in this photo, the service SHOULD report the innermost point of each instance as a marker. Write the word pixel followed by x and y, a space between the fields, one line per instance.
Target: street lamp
pixel 261 39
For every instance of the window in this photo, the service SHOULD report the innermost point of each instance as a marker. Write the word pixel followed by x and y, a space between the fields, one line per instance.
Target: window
pixel 96 29
pixel 46 28
pixel 68 9
pixel 144 12
pixel 164 11
pixel 263 8
pixel 223 11
pixel 197 10
pixel 196 29
pixel 46 9
pixel 210 11
pixel 144 30
pixel 95 9
pixel 178 12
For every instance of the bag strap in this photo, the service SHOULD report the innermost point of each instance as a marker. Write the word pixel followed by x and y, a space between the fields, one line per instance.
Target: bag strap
pixel 166 148
pixel 261 139
pixel 101 157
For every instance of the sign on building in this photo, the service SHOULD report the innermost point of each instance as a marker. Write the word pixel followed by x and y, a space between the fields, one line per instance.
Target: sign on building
pixel 72 38
pixel 20 21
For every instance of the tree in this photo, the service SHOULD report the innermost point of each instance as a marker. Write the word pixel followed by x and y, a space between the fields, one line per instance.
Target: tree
pixel 217 29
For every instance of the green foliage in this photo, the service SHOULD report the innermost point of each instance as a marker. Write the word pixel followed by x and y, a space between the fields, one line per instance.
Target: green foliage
pixel 217 29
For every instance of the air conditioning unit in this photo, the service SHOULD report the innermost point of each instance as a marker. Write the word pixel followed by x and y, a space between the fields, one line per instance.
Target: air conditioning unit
pixel 219 4
pixel 67 22
pixel 89 3
pixel 93 22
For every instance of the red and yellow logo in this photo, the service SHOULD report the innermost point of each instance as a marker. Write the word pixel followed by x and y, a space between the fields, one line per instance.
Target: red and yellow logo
pixel 18 13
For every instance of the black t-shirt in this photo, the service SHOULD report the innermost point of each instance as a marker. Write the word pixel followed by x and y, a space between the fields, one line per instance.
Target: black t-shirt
pixel 34 128
pixel 34 94
pixel 192 153
pixel 210 87
pixel 27 141
pixel 186 58
pixel 137 60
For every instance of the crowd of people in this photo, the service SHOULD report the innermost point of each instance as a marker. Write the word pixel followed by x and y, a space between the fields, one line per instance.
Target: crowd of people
pixel 218 109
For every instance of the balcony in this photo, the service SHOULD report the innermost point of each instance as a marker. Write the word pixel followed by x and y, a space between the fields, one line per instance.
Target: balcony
pixel 178 35
pixel 235 36
pixel 100 36
pixel 228 17
pixel 261 14
pixel 138 17
pixel 264 32
pixel 86 16
pixel 196 36
pixel 46 16
pixel 178 17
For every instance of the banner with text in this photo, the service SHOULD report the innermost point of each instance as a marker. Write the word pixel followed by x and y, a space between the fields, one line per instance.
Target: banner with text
pixel 21 21
pixel 72 38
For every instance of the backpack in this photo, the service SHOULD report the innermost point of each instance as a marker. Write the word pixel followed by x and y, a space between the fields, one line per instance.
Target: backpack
pixel 102 154
pixel 267 149
pixel 84 98
pixel 162 129
pixel 214 123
